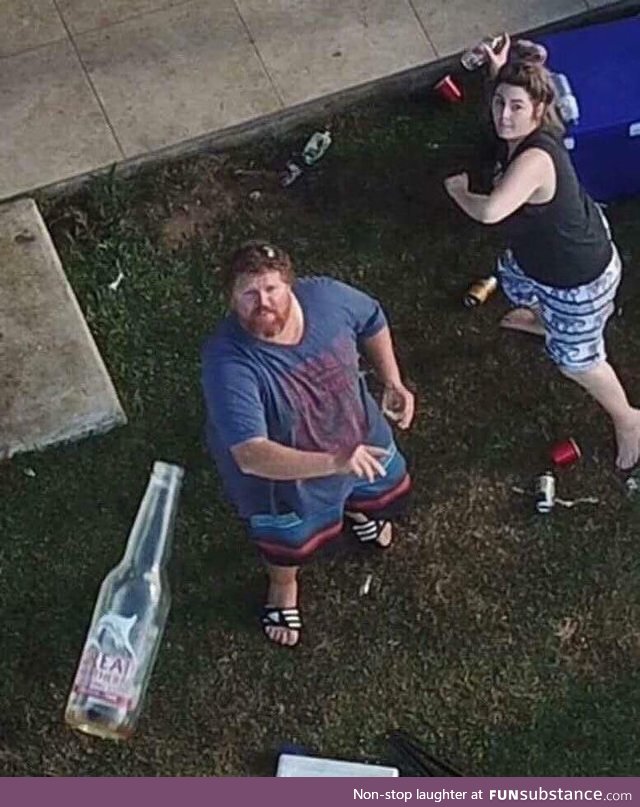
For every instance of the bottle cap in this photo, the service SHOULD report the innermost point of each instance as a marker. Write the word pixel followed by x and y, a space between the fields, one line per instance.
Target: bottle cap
pixel 167 471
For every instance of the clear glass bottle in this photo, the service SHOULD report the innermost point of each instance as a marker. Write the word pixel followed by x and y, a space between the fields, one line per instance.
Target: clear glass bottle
pixel 128 619
pixel 316 147
pixel 392 404
pixel 475 57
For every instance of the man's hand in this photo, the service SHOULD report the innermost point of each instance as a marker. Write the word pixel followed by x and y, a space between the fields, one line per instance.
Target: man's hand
pixel 362 461
pixel 399 404
pixel 457 184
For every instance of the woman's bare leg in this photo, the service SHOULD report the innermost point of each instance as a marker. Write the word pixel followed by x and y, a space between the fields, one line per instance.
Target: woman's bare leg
pixel 602 383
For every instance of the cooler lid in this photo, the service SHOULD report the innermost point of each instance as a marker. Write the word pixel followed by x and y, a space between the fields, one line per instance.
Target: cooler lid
pixel 294 765
pixel 602 63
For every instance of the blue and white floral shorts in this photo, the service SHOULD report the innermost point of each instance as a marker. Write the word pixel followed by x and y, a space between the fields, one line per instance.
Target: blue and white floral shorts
pixel 574 319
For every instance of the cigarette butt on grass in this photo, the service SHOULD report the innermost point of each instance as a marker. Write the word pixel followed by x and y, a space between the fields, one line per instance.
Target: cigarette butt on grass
pixel 365 588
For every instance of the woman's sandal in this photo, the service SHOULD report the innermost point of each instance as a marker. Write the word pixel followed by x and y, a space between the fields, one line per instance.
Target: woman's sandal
pixel 369 532
pixel 274 617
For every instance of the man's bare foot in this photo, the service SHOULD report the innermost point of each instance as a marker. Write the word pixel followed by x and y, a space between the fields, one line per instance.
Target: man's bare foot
pixel 282 599
pixel 523 319
pixel 628 441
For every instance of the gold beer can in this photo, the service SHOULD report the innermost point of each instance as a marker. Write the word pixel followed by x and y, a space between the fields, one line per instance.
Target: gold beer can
pixel 480 291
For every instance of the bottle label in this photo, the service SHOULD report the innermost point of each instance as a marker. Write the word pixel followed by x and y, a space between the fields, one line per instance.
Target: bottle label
pixel 108 664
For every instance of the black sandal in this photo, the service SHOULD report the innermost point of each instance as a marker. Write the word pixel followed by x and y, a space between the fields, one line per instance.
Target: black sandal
pixel 274 617
pixel 369 532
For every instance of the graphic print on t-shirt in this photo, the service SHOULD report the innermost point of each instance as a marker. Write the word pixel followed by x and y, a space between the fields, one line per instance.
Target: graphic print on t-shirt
pixel 324 391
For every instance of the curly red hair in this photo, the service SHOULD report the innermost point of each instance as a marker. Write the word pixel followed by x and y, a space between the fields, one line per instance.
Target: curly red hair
pixel 255 258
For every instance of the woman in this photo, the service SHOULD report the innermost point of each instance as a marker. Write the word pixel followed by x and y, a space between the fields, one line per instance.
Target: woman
pixel 562 270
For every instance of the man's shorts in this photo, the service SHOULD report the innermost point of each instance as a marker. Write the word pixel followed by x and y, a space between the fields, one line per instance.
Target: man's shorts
pixel 291 539
pixel 574 319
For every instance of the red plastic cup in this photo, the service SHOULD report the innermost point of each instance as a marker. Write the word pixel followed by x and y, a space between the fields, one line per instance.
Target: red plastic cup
pixel 566 452
pixel 448 90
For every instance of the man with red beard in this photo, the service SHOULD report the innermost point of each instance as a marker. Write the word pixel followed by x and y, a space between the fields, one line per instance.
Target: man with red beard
pixel 297 438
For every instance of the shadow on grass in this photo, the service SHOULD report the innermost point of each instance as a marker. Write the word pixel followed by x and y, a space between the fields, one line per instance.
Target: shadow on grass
pixel 589 733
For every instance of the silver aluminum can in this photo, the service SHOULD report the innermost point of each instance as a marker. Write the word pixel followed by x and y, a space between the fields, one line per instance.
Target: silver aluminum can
pixel 545 492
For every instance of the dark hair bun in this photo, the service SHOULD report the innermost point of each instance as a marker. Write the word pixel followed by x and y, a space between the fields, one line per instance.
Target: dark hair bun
pixel 523 50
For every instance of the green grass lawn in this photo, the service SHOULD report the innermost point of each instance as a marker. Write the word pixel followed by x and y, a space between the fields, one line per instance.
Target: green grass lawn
pixel 507 641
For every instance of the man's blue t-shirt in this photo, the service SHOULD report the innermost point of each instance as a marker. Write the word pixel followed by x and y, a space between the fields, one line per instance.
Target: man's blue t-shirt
pixel 310 396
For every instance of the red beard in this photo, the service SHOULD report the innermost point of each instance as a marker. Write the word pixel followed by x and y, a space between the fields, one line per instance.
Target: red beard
pixel 266 323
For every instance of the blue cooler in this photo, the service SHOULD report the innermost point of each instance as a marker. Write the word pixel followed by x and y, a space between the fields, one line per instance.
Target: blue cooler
pixel 602 63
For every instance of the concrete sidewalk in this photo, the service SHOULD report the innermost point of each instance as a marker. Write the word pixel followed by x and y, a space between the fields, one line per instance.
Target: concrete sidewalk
pixel 86 83
pixel 53 383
